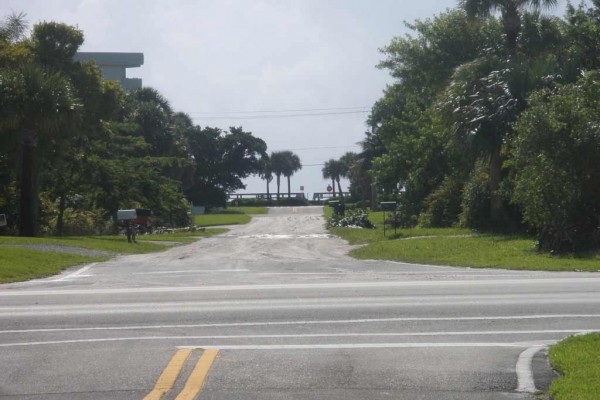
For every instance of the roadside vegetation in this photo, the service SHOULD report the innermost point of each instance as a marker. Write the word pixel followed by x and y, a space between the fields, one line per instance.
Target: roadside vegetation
pixel 21 264
pixel 230 216
pixel 76 147
pixel 577 359
pixel 24 258
pixel 250 210
pixel 458 247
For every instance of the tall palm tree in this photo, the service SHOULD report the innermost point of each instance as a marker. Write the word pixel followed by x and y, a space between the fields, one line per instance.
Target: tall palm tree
pixel 266 173
pixel 292 166
pixel 13 28
pixel 511 14
pixel 335 169
pixel 36 103
pixel 327 174
pixel 278 161
pixel 484 98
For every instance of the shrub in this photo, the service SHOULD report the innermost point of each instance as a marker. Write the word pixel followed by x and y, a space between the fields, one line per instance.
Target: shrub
pixel 442 207
pixel 475 201
pixel 555 154
pixel 358 218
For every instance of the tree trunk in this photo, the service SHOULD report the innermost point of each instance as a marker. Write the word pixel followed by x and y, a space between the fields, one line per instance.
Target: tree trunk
pixel 268 194
pixel 289 188
pixel 511 24
pixel 496 211
pixel 340 191
pixel 60 223
pixel 333 185
pixel 28 202
pixel 278 185
pixel 374 203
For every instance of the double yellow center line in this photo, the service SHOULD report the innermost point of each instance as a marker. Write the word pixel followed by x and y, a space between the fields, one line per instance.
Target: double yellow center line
pixel 194 383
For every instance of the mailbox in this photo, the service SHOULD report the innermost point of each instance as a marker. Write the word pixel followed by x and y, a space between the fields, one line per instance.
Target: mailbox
pixel 126 215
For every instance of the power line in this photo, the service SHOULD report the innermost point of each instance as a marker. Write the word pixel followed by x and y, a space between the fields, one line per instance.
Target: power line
pixel 279 111
pixel 280 116
pixel 321 147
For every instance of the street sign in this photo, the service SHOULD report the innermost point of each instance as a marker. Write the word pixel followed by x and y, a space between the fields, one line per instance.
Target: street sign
pixel 301 188
pixel 329 188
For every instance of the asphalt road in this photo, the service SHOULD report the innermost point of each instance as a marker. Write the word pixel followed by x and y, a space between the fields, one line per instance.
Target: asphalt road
pixel 276 310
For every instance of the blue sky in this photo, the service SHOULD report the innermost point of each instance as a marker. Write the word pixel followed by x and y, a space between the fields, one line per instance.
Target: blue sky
pixel 214 59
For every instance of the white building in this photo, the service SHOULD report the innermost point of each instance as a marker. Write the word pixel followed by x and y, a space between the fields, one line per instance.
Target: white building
pixel 114 66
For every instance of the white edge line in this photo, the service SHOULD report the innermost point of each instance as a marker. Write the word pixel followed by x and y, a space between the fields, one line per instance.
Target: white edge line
pixel 524 369
pixel 307 322
pixel 540 344
pixel 299 286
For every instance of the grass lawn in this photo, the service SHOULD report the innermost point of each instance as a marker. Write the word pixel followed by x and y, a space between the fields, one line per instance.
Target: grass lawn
pixel 458 247
pixel 113 244
pixel 577 358
pixel 364 236
pixel 250 210
pixel 19 264
pixel 221 219
pixel 182 237
pixel 485 251
pixel 231 216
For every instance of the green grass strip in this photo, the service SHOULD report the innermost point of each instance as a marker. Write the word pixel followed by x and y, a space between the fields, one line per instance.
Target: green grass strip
pixel 113 244
pixel 509 252
pixel 363 236
pixel 577 358
pixel 20 264
pixel 221 219
pixel 183 237
pixel 250 210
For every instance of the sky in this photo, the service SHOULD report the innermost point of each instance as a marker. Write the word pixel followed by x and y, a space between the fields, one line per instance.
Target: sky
pixel 259 64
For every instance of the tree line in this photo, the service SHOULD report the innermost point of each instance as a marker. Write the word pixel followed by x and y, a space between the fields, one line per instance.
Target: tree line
pixel 492 123
pixel 76 148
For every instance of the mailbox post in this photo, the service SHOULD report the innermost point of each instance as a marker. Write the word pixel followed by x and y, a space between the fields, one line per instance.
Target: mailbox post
pixel 338 208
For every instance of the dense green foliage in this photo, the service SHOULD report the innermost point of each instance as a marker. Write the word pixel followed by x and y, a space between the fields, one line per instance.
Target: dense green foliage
pixel 492 123
pixel 76 148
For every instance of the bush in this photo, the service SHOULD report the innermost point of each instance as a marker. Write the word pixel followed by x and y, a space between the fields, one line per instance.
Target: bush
pixel 443 206
pixel 475 201
pixel 555 154
pixel 353 219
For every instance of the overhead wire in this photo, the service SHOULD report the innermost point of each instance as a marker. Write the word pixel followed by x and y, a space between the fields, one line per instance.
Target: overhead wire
pixel 273 116
pixel 281 110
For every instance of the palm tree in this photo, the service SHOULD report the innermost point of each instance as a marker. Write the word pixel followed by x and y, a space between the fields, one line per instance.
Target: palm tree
pixel 327 174
pixel 36 103
pixel 484 95
pixel 511 14
pixel 278 161
pixel 266 172
pixel 13 28
pixel 292 166
pixel 335 169
pixel 284 163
